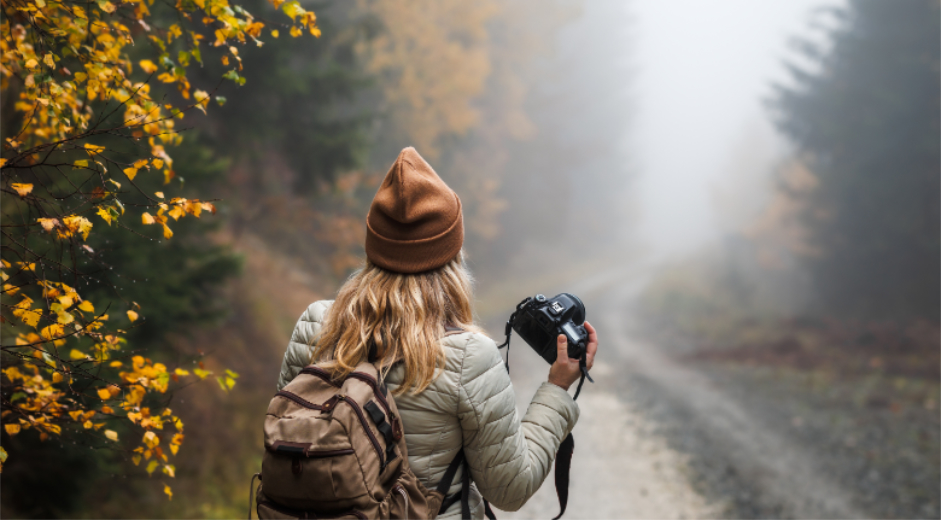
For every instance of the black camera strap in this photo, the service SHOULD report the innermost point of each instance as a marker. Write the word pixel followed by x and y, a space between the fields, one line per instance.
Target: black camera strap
pixel 583 365
pixel 563 458
pixel 509 333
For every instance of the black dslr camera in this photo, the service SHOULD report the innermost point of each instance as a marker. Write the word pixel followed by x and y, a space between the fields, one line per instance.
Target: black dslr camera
pixel 540 320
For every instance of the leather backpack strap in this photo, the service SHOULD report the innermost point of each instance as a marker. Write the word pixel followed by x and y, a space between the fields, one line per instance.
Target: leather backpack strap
pixel 251 493
pixel 464 495
pixel 465 492
pixel 488 511
pixel 446 481
pixel 450 330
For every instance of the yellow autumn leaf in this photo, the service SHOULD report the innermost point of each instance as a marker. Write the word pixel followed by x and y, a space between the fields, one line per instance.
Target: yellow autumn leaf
pixel 86 306
pixel 292 9
pixel 158 163
pixel 159 194
pixel 105 214
pixel 12 429
pixel 202 100
pixel 76 355
pixel 49 61
pixel 81 163
pixel 87 425
pixel 147 218
pixel 296 31
pixel 167 490
pixel 30 317
pixel 167 232
pixel 130 172
pixel 115 364
pixel 48 223
pixel 148 66
pixel 103 393
pixel 22 189
pixel 31 63
pixel 274 33
pixel 64 318
pixel 112 435
pixel 77 224
pixel 51 332
pixel 57 377
pixel 132 316
pixel 181 372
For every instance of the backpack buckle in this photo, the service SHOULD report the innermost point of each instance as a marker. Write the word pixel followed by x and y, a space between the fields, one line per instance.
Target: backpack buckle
pixel 328 406
pixel 396 427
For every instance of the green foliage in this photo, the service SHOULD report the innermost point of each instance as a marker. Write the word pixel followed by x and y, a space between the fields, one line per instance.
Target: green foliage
pixel 295 124
pixel 187 269
pixel 866 117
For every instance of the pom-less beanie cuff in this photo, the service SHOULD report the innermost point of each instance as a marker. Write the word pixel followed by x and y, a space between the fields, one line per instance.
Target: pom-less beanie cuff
pixel 415 222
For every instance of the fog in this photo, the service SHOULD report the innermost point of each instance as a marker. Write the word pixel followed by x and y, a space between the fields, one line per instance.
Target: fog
pixel 745 194
pixel 703 70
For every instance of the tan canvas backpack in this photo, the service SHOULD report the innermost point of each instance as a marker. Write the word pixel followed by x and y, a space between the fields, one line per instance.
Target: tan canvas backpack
pixel 336 449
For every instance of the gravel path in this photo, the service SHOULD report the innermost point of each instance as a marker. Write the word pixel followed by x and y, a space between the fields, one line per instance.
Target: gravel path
pixel 621 468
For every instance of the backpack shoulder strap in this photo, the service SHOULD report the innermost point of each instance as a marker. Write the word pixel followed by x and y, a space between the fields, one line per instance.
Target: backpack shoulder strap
pixel 445 484
pixel 464 494
pixel 450 330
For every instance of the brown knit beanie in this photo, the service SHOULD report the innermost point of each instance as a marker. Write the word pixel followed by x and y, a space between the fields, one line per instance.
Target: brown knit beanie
pixel 414 223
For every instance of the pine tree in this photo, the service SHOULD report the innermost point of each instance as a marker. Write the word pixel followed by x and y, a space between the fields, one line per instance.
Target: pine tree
pixel 865 116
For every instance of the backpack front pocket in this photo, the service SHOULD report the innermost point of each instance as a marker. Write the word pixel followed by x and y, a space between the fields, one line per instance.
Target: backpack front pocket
pixel 304 477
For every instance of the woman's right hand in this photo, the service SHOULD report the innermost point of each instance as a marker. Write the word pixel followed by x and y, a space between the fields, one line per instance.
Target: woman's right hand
pixel 566 370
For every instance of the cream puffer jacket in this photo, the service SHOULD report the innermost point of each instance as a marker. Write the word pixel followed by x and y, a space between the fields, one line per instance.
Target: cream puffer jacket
pixel 470 405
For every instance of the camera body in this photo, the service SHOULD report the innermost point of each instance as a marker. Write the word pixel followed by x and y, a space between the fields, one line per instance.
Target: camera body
pixel 540 320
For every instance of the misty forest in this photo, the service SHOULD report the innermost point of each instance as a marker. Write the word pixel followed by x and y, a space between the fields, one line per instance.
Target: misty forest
pixel 745 195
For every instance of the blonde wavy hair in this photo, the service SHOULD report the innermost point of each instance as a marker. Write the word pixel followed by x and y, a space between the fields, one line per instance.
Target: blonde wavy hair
pixel 403 315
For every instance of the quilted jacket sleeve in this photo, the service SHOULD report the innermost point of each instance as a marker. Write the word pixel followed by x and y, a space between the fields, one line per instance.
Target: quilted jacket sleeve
pixel 306 332
pixel 509 458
